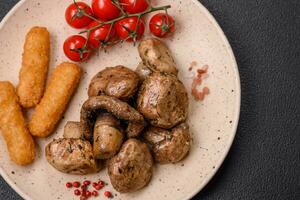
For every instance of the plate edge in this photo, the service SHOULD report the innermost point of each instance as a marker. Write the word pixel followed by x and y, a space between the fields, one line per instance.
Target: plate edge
pixel 238 83
pixel 4 174
pixel 236 120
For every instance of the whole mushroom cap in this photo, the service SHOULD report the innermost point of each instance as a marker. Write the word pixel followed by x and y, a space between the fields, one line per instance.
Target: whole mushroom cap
pixel 157 56
pixel 120 82
pixel 163 100
pixel 169 146
pixel 131 169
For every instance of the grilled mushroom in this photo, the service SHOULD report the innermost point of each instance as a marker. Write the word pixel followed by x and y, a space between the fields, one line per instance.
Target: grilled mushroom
pixel 131 169
pixel 143 71
pixel 108 136
pixel 72 130
pixel 163 100
pixel 156 56
pixel 73 156
pixel 121 110
pixel 169 146
pixel 119 82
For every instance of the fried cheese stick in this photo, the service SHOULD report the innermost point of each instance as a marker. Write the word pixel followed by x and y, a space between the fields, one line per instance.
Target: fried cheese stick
pixel 62 84
pixel 35 63
pixel 19 142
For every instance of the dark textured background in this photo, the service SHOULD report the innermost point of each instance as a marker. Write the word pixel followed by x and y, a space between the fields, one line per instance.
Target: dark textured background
pixel 264 162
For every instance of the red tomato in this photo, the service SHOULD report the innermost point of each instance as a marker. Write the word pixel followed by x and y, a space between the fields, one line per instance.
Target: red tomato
pixel 105 9
pixel 162 25
pixel 127 26
pixel 100 35
pixel 73 48
pixel 77 19
pixel 134 6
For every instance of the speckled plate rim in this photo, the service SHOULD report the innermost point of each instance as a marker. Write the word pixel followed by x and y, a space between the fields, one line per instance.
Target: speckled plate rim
pixel 238 96
pixel 2 172
pixel 238 100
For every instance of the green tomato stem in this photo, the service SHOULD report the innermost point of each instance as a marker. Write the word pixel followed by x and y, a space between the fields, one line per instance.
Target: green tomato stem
pixel 112 22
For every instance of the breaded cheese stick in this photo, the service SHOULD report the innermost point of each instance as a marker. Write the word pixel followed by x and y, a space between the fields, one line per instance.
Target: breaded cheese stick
pixel 35 63
pixel 62 84
pixel 19 142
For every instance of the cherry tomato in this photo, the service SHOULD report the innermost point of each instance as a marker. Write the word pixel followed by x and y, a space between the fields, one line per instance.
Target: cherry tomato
pixel 125 28
pixel 75 18
pixel 100 35
pixel 73 48
pixel 162 25
pixel 134 6
pixel 105 9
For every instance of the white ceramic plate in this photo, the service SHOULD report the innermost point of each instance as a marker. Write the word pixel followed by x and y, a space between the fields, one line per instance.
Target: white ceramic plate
pixel 213 122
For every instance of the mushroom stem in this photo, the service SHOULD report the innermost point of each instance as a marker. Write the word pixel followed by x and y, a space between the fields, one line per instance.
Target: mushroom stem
pixel 121 110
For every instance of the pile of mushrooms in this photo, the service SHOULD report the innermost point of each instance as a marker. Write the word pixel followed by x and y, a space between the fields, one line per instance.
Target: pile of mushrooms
pixel 131 119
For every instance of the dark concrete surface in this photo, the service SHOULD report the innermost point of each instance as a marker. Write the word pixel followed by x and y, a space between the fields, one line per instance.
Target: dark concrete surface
pixel 264 161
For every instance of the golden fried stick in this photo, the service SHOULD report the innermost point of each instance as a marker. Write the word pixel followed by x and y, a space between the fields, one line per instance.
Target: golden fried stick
pixel 35 63
pixel 62 84
pixel 19 142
